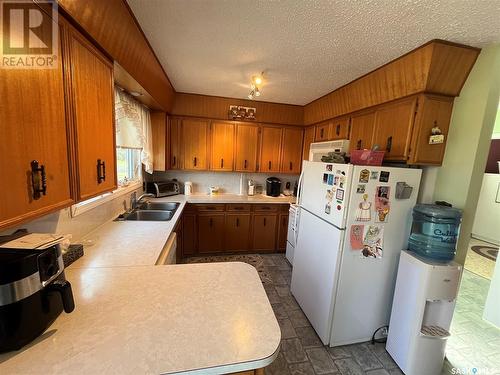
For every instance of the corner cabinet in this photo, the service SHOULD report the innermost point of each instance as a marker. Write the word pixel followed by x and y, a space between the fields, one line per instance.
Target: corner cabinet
pixel 92 110
pixel 33 129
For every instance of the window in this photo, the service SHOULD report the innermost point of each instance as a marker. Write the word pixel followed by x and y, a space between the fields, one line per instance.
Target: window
pixel 128 165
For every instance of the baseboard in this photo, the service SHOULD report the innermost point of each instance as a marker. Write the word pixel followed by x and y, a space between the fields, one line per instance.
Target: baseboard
pixel 486 239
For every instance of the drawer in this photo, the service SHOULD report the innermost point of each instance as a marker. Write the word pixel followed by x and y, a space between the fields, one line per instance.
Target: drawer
pixel 210 207
pixel 284 208
pixel 235 207
pixel 266 207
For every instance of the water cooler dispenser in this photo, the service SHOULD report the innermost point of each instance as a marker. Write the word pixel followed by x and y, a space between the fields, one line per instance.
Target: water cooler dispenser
pixel 422 309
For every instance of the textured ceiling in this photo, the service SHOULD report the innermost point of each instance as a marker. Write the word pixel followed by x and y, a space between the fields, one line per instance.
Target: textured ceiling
pixel 305 48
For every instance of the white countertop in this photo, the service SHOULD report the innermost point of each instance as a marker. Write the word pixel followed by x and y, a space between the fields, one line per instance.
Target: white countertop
pixel 133 317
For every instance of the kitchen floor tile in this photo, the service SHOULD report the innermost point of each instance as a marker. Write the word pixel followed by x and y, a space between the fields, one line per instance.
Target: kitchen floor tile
pixel 365 358
pixel 293 351
pixel 279 311
pixel 321 361
pixel 308 337
pixel 348 366
pixel 304 368
pixel 287 330
pixel 298 319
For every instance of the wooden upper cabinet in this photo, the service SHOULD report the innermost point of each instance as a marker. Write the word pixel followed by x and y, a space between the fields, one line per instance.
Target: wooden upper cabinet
pixel 362 125
pixel 92 96
pixel 160 141
pixel 194 142
pixel 339 128
pixel 432 111
pixel 32 128
pixel 222 147
pixel 175 131
pixel 270 149
pixel 247 140
pixel 323 132
pixel 309 133
pixel 291 160
pixel 393 128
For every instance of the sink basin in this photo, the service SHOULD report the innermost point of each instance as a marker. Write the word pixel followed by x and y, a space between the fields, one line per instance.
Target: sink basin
pixel 162 206
pixel 152 215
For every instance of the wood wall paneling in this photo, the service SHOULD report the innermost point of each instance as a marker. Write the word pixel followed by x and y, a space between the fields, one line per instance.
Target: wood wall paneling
pixel 216 107
pixel 112 25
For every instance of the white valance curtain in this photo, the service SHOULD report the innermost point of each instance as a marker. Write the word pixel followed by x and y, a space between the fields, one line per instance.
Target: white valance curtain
pixel 133 127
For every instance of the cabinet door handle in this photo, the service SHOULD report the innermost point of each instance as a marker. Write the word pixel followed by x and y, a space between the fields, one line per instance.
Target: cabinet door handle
pixel 237 222
pixel 321 132
pixel 389 144
pixel 265 221
pixel 174 161
pixel 194 161
pixel 245 164
pixel 222 163
pixel 38 180
pixel 338 130
pixel 210 221
pixel 101 171
pixel 291 166
pixel 358 145
pixel 269 165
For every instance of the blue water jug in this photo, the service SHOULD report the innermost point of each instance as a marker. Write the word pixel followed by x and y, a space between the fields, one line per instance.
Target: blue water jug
pixel 435 231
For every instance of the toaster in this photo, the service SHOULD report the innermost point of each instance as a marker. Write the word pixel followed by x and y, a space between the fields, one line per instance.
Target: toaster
pixel 163 188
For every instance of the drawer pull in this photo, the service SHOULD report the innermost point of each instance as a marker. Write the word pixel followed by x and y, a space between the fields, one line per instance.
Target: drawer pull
pixel 321 132
pixel 338 130
pixel 358 145
pixel 291 166
pixel 210 221
pixel 237 222
pixel 101 171
pixel 222 163
pixel 245 164
pixel 38 180
pixel 269 165
pixel 389 144
pixel 174 160
pixel 265 221
pixel 194 161
pixel 238 208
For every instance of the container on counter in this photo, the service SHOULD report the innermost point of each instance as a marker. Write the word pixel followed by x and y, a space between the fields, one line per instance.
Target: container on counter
pixel 435 231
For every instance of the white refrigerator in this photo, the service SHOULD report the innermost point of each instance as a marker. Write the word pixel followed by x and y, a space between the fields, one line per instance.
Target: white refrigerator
pixel 354 222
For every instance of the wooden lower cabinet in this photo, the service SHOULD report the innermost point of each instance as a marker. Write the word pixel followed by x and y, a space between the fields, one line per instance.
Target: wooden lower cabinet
pixel 282 232
pixel 237 234
pixel 211 233
pixel 189 234
pixel 264 232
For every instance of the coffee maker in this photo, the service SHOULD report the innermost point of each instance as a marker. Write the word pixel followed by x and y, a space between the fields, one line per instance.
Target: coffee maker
pixel 273 186
pixel 33 292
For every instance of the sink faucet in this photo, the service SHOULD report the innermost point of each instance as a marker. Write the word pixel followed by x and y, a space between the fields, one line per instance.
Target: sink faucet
pixel 134 202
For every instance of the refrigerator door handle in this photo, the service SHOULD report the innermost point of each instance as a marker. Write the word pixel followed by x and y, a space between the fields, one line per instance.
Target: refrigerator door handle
pixel 297 210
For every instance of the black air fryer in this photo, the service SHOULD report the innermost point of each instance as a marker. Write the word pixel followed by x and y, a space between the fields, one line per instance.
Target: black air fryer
pixel 33 292
pixel 273 186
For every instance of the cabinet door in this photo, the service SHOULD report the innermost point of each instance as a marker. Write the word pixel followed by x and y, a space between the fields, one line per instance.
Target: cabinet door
pixel 432 111
pixel 247 140
pixel 362 131
pixel 93 113
pixel 175 129
pixel 237 232
pixel 189 234
pixel 270 149
pixel 210 233
pixel 393 128
pixel 340 128
pixel 222 136
pixel 291 150
pixel 180 240
pixel 32 127
pixel 194 141
pixel 160 141
pixel 282 232
pixel 264 232
pixel 323 132
pixel 308 139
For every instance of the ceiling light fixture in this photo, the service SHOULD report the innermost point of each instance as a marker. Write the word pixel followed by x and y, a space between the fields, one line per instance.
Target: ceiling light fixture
pixel 255 86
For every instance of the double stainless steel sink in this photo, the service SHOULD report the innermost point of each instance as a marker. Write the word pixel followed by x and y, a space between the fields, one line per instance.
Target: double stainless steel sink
pixel 151 211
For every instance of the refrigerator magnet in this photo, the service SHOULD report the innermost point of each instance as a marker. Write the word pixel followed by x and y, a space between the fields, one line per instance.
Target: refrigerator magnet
pixel 384 176
pixel 340 195
pixel 373 241
pixel 328 208
pixel 382 203
pixel 361 189
pixel 356 236
pixel 330 180
pixel 363 213
pixel 329 195
pixel 364 176
pixel 374 175
pixel 325 178
pixel 329 167
pixel 336 180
